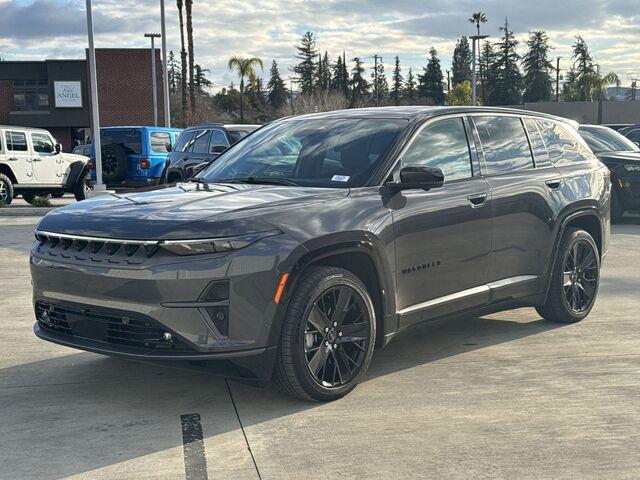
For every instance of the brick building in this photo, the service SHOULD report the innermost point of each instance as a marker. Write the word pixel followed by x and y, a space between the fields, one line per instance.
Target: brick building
pixel 55 94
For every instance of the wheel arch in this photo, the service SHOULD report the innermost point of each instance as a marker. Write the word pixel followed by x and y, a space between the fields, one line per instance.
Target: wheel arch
pixel 77 170
pixel 6 170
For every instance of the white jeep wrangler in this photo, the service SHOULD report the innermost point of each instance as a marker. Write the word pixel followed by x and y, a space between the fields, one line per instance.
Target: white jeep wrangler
pixel 32 164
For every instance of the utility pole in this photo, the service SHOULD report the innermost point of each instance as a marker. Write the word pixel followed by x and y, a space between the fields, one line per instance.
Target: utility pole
pixel 95 114
pixel 558 79
pixel 375 76
pixel 165 72
pixel 448 81
pixel 154 86
pixel 474 85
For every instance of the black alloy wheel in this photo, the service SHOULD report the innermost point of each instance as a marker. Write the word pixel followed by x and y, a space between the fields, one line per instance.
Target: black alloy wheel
pixel 328 335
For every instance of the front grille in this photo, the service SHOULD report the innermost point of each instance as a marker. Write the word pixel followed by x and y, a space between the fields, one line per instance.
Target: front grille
pixel 131 331
pixel 101 250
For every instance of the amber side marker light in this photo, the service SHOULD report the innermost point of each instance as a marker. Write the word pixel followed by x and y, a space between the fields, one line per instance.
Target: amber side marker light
pixel 283 282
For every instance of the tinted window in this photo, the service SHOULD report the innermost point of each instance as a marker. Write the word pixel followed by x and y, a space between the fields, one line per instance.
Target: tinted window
pixel 184 141
pixel 30 95
pixel 320 153
pixel 634 135
pixel 218 141
pixel 130 140
pixel 238 134
pixel 160 142
pixel 504 144
pixel 606 140
pixel 443 145
pixel 41 143
pixel 563 148
pixel 201 142
pixel 16 141
pixel 540 153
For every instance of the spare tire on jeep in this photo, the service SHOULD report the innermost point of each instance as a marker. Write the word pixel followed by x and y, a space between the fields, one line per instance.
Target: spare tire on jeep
pixel 115 162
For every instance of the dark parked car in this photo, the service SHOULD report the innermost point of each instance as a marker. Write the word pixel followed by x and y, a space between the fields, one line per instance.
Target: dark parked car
pixel 200 145
pixel 622 157
pixel 320 237
pixel 84 149
pixel 632 132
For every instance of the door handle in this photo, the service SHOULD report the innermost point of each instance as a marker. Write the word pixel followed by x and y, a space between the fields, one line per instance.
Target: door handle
pixel 13 159
pixel 554 183
pixel 477 200
pixel 37 159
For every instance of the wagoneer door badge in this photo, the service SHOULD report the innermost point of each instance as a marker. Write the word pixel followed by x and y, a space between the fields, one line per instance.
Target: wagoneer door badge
pixel 422 266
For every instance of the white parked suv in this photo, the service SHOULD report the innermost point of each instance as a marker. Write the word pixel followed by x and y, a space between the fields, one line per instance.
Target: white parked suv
pixel 32 164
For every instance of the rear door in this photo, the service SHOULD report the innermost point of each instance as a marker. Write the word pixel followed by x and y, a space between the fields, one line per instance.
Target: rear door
pixel 525 200
pixel 443 236
pixel 47 168
pixel 18 156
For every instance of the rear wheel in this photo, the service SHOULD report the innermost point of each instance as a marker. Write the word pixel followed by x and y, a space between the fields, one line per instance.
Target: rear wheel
pixel 6 189
pixel 328 336
pixel 115 162
pixel 30 197
pixel 575 279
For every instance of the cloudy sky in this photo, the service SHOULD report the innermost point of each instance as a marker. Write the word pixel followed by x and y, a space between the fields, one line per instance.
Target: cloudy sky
pixel 270 29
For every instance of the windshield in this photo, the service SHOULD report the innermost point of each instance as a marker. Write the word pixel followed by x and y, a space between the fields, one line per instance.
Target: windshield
pixel 316 153
pixel 607 140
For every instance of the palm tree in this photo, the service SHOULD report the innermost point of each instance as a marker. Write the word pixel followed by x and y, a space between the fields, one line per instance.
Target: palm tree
pixel 594 84
pixel 183 61
pixel 192 89
pixel 478 18
pixel 245 68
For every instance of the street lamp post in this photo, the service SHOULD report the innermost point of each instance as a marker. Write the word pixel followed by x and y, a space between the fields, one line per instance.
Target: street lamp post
pixel 95 115
pixel 165 73
pixel 154 87
pixel 474 86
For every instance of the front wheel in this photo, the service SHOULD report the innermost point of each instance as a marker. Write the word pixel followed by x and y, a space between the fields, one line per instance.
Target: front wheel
pixel 328 336
pixel 6 190
pixel 575 279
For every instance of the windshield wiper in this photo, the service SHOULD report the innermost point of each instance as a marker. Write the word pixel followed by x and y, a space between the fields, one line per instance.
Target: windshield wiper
pixel 260 180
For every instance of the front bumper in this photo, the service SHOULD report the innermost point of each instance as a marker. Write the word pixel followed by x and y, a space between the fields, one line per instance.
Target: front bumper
pixel 126 308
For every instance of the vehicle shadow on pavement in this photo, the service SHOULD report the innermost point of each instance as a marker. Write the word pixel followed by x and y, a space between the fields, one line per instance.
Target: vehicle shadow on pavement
pixel 82 412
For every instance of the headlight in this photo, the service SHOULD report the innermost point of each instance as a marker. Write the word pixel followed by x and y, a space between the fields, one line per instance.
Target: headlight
pixel 632 168
pixel 214 245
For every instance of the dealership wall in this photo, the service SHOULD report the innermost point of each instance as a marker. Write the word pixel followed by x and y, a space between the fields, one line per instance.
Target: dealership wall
pixel 589 112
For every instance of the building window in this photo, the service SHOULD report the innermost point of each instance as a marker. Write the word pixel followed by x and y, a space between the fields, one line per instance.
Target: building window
pixel 30 95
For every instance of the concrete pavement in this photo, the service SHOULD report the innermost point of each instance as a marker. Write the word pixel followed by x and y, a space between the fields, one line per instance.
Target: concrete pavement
pixel 502 396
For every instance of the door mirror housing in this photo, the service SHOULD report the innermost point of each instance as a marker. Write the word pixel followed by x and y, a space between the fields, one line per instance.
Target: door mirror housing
pixel 199 167
pixel 424 178
pixel 58 147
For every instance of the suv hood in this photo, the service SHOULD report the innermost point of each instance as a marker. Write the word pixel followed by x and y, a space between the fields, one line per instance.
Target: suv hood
pixel 186 211
pixel 72 157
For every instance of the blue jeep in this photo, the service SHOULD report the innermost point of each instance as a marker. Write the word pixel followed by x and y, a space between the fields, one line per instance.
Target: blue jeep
pixel 134 156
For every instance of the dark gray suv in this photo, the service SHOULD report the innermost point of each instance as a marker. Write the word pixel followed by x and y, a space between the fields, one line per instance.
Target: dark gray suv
pixel 320 237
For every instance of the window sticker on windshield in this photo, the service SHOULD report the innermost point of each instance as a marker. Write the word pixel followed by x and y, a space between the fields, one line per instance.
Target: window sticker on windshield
pixel 340 178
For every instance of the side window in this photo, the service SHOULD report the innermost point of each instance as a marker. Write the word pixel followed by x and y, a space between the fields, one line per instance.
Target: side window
pixel 160 142
pixel 504 144
pixel 540 154
pixel 634 135
pixel 218 141
pixel 563 148
pixel 442 145
pixel 41 143
pixel 184 141
pixel 201 141
pixel 16 141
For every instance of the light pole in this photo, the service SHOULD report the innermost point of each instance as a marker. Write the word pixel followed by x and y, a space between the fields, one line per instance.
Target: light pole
pixel 165 74
pixel 95 116
pixel 474 86
pixel 154 87
pixel 558 79
pixel 375 76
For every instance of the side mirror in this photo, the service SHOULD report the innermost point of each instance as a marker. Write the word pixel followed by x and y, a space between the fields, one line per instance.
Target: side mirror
pixel 198 168
pixel 58 147
pixel 424 178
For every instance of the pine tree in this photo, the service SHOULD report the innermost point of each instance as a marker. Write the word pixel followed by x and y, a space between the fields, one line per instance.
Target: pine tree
pixel 537 67
pixel 256 95
pixel 487 57
pixel 379 82
pixel 507 85
pixel 396 89
pixel 323 73
pixel 345 76
pixel 306 68
pixel 359 85
pixel 200 79
pixel 461 65
pixel 583 67
pixel 410 87
pixel 336 77
pixel 278 94
pixel 173 73
pixel 431 86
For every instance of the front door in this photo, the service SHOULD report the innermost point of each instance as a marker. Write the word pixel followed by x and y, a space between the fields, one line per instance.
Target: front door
pixel 18 156
pixel 443 236
pixel 46 161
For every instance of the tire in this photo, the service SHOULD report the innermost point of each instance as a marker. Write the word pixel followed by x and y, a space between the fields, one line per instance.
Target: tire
pixel 115 163
pixel 304 348
pixel 560 303
pixel 617 209
pixel 57 193
pixel 80 189
pixel 6 190
pixel 29 196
